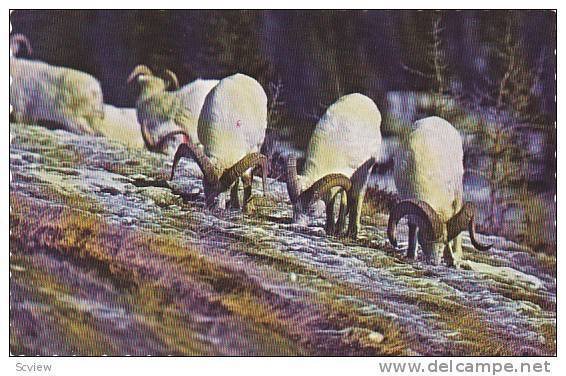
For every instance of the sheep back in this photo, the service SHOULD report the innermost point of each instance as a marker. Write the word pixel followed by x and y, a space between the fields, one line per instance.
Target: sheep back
pixel 80 94
pixel 43 92
pixel 429 166
pixel 233 120
pixel 346 136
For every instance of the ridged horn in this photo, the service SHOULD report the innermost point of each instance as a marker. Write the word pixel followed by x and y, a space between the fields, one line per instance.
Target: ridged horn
pixel 16 41
pixel 234 172
pixel 429 222
pixel 171 79
pixel 465 219
pixel 292 180
pixel 138 70
pixel 316 191
pixel 192 151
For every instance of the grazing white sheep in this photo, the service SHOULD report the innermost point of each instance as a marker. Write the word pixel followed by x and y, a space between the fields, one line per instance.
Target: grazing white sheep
pixel 428 176
pixel 168 118
pixel 231 128
pixel 160 113
pixel 121 124
pixel 342 151
pixel 43 92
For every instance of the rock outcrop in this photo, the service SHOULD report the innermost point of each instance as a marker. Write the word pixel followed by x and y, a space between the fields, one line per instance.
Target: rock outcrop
pixel 107 257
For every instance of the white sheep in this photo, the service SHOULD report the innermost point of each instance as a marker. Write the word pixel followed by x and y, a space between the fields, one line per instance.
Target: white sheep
pixel 121 124
pixel 43 92
pixel 169 117
pixel 428 176
pixel 231 128
pixel 342 151
pixel 161 113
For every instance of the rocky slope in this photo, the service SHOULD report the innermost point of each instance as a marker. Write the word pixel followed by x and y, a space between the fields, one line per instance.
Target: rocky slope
pixel 107 257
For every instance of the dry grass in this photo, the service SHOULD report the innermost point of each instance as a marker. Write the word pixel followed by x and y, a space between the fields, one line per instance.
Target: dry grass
pixel 74 325
pixel 86 239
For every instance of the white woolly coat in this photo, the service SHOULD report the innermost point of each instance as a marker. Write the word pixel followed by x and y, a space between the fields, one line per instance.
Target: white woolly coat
pixel 429 166
pixel 346 136
pixel 121 124
pixel 233 120
pixel 192 95
pixel 40 91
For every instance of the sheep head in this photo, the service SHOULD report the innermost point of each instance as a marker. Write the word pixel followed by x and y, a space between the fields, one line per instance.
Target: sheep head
pixel 302 200
pixel 16 41
pixel 432 230
pixel 147 80
pixel 215 183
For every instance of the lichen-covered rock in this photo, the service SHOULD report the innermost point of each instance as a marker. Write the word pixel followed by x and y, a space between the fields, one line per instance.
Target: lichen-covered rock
pixel 108 257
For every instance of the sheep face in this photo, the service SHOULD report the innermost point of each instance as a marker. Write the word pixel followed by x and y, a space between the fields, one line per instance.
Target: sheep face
pixel 433 251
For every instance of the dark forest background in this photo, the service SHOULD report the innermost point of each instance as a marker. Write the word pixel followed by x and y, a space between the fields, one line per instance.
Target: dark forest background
pixel 491 73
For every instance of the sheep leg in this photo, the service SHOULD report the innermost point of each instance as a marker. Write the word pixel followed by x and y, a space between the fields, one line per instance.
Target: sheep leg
pixel 358 191
pixel 356 197
pixel 453 252
pixel 431 256
pixel 341 224
pixel 247 179
pixel 330 225
pixel 427 251
pixel 234 199
pixel 412 250
pixel 221 201
pixel 352 211
pixel 457 248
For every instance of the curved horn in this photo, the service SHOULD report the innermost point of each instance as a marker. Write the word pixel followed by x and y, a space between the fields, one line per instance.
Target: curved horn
pixel 191 151
pixel 292 180
pixel 138 70
pixel 171 79
pixel 316 191
pixel 234 172
pixel 429 222
pixel 465 219
pixel 16 40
